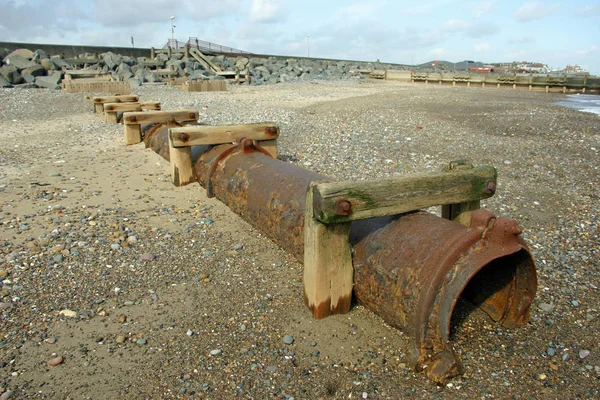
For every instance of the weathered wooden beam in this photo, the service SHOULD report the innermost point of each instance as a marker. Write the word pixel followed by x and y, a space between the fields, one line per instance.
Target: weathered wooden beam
pixel 181 140
pixel 350 201
pixel 200 135
pixel 132 106
pixel 133 121
pixel 328 271
pixel 149 117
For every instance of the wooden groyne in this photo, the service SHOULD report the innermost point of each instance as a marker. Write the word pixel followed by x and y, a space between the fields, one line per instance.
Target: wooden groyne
pixel 531 82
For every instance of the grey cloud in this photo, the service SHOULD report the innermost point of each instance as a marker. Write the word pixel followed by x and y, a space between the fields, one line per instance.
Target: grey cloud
pixel 25 21
pixel 536 10
pixel 133 12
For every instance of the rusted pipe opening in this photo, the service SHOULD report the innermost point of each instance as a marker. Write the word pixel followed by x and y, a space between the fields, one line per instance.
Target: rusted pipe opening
pixel 492 289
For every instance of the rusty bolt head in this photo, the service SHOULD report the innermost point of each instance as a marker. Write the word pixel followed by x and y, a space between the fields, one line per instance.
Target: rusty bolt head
pixel 490 187
pixel 133 118
pixel 343 207
pixel 192 115
pixel 270 130
pixel 184 137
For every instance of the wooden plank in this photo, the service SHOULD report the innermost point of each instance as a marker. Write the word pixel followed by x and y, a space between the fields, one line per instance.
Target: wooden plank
pixel 328 271
pixel 132 106
pixel 182 168
pixel 378 198
pixel 97 87
pixel 202 59
pixel 148 117
pixel 205 86
pixel 115 99
pixel 199 135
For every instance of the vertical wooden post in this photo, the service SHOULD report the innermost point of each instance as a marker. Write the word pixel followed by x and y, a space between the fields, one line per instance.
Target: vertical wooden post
pixel 270 146
pixel 328 270
pixel 182 169
pixel 133 134
pixel 460 212
pixel 98 108
pixel 152 53
pixel 169 51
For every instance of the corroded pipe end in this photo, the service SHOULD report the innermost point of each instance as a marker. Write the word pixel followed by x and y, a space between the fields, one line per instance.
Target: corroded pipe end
pixel 412 271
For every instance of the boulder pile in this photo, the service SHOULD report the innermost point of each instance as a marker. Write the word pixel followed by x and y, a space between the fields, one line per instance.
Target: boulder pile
pixel 24 68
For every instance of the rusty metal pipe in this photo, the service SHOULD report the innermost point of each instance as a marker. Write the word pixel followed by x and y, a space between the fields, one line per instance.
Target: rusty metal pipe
pixel 410 269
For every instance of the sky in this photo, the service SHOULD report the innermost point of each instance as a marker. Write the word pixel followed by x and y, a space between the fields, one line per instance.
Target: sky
pixel 556 33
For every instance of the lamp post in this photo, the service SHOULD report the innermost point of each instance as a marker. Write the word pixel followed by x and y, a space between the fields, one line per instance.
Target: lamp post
pixel 308 45
pixel 172 30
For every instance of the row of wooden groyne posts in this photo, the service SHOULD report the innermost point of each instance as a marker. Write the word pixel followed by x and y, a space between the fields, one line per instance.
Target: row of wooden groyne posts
pixel 363 241
pixel 532 82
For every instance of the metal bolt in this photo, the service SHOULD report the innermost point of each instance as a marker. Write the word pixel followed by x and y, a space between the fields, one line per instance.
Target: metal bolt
pixel 343 207
pixel 184 137
pixel 270 130
pixel 192 115
pixel 133 118
pixel 490 187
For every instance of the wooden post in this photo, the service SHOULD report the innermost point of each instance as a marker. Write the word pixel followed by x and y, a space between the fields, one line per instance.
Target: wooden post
pixel 460 212
pixel 152 53
pixel 182 168
pixel 270 146
pixel 328 270
pixel 133 134
pixel 98 108
pixel 169 52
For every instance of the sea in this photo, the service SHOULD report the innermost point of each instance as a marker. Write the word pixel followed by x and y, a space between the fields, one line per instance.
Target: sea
pixel 583 102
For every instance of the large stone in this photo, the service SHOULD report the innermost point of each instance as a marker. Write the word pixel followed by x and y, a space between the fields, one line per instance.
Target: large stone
pixel 3 53
pixel 11 74
pixel 39 55
pixel 111 60
pixel 51 81
pixel 60 63
pixel 35 70
pixel 150 76
pixel 47 64
pixel 25 53
pixel 197 75
pixel 18 61
pixel 28 77
pixel 124 71
pixel 134 83
pixel 4 83
pixel 26 86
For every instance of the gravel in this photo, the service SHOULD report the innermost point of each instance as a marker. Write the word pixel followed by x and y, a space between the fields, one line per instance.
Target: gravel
pixel 67 177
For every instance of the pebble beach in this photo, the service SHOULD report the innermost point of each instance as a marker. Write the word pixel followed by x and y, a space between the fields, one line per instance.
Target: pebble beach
pixel 117 285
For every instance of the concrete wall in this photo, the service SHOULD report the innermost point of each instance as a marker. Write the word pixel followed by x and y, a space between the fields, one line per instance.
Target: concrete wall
pixel 72 51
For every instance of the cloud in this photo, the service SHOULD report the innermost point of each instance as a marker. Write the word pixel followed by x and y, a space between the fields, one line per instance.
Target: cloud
pixel 482 8
pixel 455 25
pixel 265 11
pixel 23 21
pixel 117 13
pixel 588 11
pixel 482 47
pixel 522 40
pixel 475 29
pixel 536 10
pixel 438 52
pixel 590 51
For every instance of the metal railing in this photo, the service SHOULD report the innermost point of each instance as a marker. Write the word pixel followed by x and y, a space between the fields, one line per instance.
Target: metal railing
pixel 202 45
